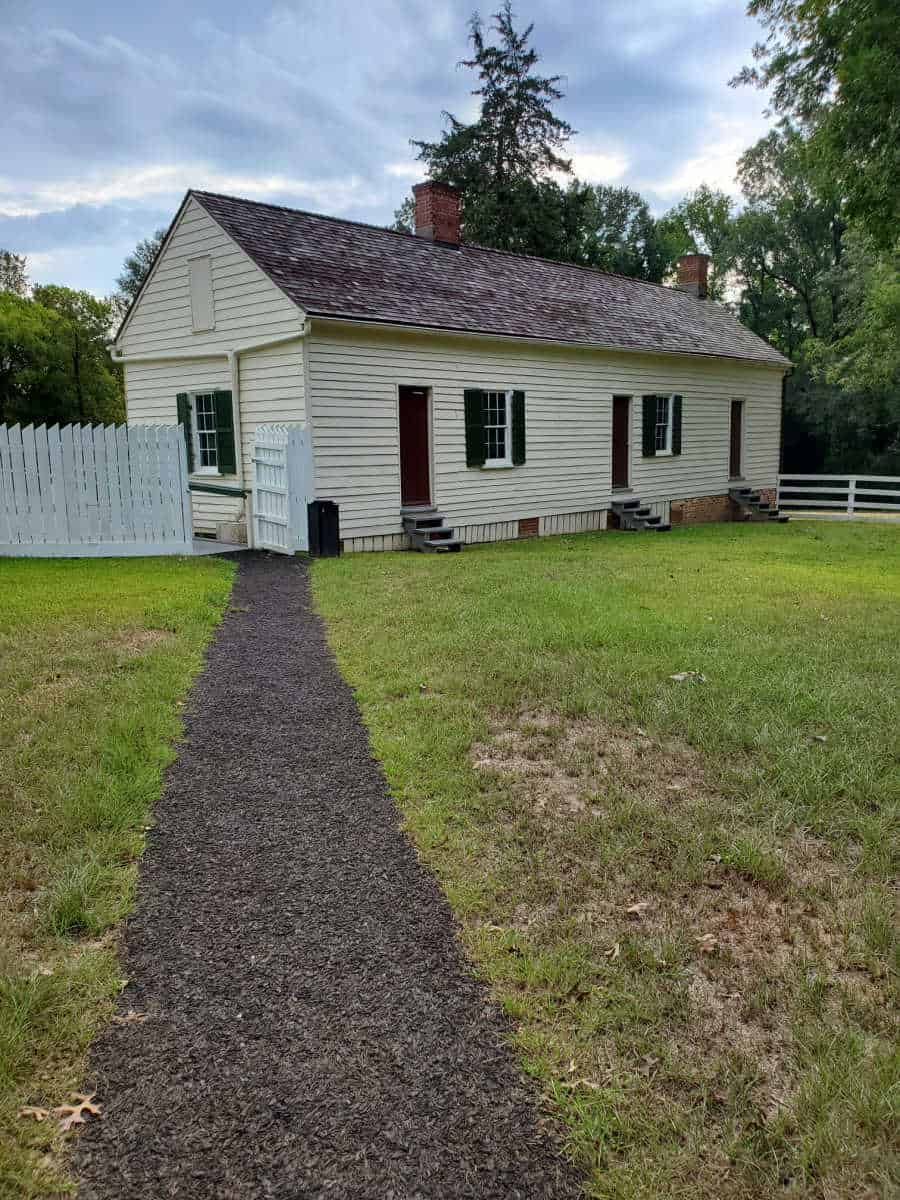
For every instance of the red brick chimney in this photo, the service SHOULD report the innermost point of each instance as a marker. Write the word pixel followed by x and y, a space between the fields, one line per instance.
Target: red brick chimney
pixel 437 212
pixel 693 270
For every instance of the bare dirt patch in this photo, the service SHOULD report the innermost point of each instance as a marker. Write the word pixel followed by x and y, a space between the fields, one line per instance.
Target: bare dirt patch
pixel 138 641
pixel 569 765
pixel 745 925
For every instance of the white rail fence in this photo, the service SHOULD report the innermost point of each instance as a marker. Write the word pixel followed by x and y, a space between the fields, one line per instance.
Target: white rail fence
pixel 852 494
pixel 93 490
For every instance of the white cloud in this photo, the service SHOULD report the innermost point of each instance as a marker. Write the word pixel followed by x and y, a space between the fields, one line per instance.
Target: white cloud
pixel 400 170
pixel 598 166
pixel 714 163
pixel 164 181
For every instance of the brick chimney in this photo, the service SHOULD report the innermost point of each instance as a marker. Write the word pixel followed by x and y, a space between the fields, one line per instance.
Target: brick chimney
pixel 692 274
pixel 437 212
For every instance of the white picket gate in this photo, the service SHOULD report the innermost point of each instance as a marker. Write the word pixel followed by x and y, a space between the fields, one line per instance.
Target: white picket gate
pixel 282 488
pixel 93 490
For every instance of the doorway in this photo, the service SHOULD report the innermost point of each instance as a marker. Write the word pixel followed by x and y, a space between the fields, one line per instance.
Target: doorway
pixel 736 446
pixel 415 473
pixel 621 445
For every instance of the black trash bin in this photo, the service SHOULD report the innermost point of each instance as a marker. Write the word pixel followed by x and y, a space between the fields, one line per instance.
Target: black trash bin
pixel 324 529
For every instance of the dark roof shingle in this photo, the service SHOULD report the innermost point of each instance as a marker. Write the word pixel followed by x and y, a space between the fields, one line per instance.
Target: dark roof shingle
pixel 337 268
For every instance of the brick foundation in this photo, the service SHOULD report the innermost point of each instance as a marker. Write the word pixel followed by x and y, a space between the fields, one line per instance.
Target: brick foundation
pixel 698 509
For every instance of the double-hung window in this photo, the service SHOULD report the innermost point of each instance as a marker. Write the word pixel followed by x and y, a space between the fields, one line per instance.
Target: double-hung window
pixel 206 441
pixel 497 439
pixel 661 425
pixel 207 419
pixel 663 430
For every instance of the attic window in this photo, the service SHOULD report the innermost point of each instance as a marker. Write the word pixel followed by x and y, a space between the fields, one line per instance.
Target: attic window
pixel 203 314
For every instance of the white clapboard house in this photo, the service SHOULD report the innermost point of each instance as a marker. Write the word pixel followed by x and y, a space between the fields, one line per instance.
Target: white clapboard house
pixel 443 386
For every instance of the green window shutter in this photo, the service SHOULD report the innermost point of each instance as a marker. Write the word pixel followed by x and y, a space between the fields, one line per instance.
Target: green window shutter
pixel 518 428
pixel 676 424
pixel 227 460
pixel 648 440
pixel 476 451
pixel 184 420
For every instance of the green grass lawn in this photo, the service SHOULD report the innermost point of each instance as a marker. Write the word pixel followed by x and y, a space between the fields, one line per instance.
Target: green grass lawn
pixel 681 892
pixel 95 656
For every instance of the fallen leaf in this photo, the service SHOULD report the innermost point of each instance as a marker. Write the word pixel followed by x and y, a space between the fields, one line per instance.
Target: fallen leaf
pixel 130 1018
pixel 818 737
pixel 706 944
pixel 684 676
pixel 613 952
pixel 638 910
pixel 674 787
pixel 31 1110
pixel 73 1114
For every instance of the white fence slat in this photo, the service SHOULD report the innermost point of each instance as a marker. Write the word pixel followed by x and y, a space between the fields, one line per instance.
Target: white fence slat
pixel 110 450
pixel 91 498
pixel 19 491
pixel 6 496
pixel 33 484
pixel 98 440
pixel 159 507
pixel 43 484
pixel 57 485
pixel 82 490
pixel 123 459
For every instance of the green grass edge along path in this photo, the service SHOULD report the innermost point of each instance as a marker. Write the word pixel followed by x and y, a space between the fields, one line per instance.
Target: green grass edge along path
pixel 95 659
pixel 680 891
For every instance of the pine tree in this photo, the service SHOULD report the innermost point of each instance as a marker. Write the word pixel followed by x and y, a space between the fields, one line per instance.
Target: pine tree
pixel 502 161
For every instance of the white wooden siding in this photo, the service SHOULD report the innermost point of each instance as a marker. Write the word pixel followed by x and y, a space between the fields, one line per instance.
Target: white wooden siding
pixel 151 390
pixel 354 374
pixel 248 306
pixel 702 467
pixel 272 392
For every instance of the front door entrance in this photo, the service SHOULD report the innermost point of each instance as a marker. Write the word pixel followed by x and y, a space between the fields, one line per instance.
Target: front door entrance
pixel 415 483
pixel 736 448
pixel 620 444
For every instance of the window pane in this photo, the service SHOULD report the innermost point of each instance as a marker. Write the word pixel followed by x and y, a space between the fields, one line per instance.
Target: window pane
pixel 662 423
pixel 495 423
pixel 205 413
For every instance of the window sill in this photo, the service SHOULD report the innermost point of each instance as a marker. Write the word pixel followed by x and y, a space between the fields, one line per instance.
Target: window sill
pixel 206 473
pixel 497 465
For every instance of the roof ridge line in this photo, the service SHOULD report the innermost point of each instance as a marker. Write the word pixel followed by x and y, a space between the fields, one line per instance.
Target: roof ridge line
pixel 401 233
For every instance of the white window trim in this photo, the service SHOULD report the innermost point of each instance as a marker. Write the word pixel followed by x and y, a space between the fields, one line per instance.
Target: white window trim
pixel 500 464
pixel 667 453
pixel 195 438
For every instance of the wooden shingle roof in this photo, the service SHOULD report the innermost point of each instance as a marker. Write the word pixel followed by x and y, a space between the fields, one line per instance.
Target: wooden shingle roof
pixel 336 268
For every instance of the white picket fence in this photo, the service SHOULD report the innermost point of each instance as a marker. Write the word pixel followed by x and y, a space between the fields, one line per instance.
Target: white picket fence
pixel 93 490
pixel 851 493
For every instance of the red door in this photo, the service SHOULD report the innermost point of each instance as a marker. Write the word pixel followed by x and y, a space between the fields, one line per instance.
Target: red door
pixel 736 449
pixel 621 412
pixel 414 473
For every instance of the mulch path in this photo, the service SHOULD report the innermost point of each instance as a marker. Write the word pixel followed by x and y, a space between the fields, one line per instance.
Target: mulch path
pixel 312 1030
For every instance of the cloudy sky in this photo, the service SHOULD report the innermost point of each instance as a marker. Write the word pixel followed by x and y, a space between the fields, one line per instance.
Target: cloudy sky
pixel 109 111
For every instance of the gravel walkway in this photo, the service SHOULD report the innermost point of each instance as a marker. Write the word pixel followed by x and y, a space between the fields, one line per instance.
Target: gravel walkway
pixel 311 1028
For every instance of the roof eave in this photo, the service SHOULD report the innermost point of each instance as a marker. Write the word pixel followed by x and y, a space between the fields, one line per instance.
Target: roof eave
pixel 532 339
